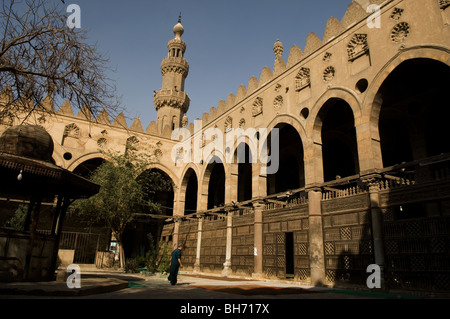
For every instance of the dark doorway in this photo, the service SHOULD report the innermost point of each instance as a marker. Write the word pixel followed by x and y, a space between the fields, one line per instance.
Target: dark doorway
pixel 190 203
pixel 289 255
pixel 216 188
pixel 339 145
pixel 291 172
pixel 244 174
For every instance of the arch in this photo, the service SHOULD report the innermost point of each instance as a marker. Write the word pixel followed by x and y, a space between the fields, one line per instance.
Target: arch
pixel 243 160
pixel 409 110
pixel 292 121
pixel 314 126
pixel 372 102
pixel 291 165
pixel 166 170
pixel 159 188
pixel 338 139
pixel 189 190
pixel 214 181
pixel 84 158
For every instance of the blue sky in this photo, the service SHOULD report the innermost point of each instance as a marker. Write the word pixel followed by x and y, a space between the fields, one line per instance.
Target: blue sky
pixel 227 43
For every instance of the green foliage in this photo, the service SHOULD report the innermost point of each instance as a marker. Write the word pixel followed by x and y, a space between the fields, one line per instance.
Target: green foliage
pixel 158 256
pixel 131 266
pixel 17 222
pixel 127 187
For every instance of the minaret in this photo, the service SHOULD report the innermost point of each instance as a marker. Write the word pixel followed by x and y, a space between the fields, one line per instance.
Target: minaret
pixel 171 102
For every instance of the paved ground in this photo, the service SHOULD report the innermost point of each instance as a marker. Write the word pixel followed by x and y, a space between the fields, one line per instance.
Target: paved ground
pixel 112 294
pixel 115 285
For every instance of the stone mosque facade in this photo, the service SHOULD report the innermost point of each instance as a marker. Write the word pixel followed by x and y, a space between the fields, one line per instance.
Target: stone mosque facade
pixel 363 148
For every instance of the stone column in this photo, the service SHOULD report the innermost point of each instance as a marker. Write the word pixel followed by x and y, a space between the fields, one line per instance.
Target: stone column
pixel 259 181
pixel 258 238
pixel 231 183
pixel 199 245
pixel 316 249
pixel 178 205
pixel 368 140
pixel 176 229
pixel 227 264
pixel 377 222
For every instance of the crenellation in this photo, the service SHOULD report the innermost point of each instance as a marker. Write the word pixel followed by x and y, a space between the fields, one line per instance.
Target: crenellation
pixel 85 114
pixel 241 93
pixel 231 99
pixel 212 113
pixel 266 76
pixel 221 107
pixel 137 125
pixel 47 104
pixel 354 14
pixel 295 55
pixel 333 29
pixel 252 85
pixel 103 118
pixel 152 128
pixel 313 42
pixel 66 109
pixel 120 121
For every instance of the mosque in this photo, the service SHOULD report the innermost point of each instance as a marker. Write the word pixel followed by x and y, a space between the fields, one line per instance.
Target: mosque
pixel 361 144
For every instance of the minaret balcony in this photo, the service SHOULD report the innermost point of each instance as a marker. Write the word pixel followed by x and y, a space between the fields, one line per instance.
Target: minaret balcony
pixel 172 98
pixel 175 64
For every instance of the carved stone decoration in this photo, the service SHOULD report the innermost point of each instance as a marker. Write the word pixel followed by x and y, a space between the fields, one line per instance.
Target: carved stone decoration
pixel 357 47
pixel 444 4
pixel 278 87
pixel 400 32
pixel 132 143
pixel 102 142
pixel 303 79
pixel 397 14
pixel 329 74
pixel 257 107
pixel 327 57
pixel 72 130
pixel 242 123
pixel 158 153
pixel 228 123
pixel 278 103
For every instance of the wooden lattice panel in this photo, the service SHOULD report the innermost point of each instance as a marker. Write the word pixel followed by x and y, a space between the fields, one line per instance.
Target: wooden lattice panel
pixel 417 252
pixel 348 246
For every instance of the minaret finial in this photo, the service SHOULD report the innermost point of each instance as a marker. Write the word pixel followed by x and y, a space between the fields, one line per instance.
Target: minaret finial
pixel 179 18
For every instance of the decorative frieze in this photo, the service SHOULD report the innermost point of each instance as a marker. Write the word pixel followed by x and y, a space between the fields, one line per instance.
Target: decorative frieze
pixel 257 107
pixel 329 73
pixel 278 103
pixel 397 14
pixel 400 32
pixel 357 47
pixel 228 123
pixel 303 79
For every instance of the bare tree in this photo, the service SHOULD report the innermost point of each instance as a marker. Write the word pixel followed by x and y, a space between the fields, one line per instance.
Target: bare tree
pixel 41 57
